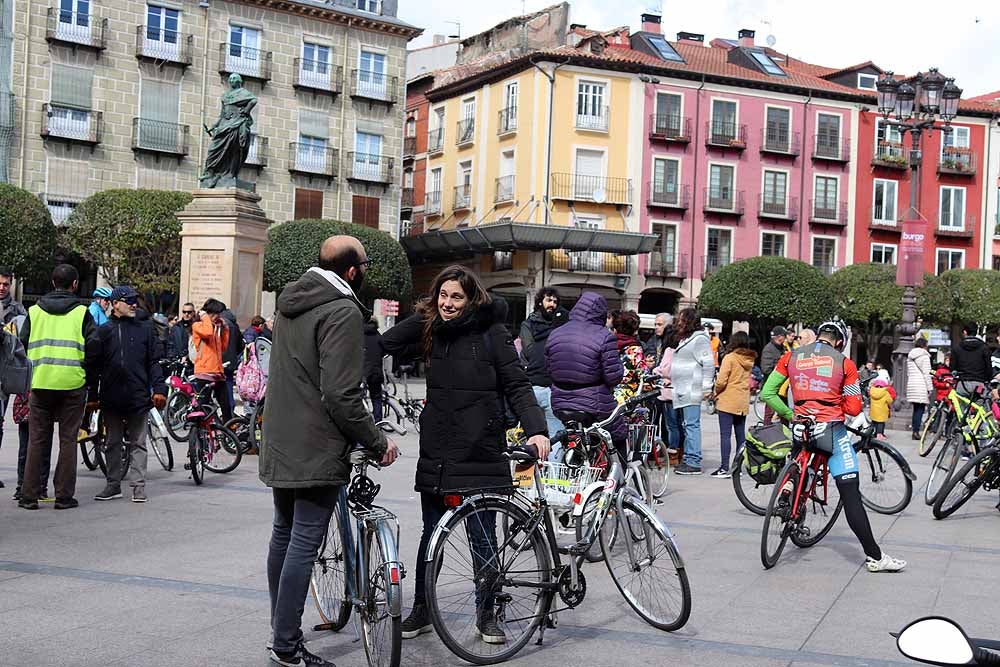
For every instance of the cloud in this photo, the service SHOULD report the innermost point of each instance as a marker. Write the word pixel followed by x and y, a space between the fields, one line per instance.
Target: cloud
pixel 957 38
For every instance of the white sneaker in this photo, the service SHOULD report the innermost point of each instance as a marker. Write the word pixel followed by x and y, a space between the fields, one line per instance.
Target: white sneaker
pixel 886 564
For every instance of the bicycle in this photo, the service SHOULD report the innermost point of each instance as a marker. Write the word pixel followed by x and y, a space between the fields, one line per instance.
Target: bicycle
pixel 180 393
pixel 982 470
pixel 410 407
pixel 363 575
pixel 514 580
pixel 211 446
pixel 90 437
pixel 937 425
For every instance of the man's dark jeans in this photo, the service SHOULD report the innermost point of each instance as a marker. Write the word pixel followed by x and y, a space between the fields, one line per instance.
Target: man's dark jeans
pixel 301 517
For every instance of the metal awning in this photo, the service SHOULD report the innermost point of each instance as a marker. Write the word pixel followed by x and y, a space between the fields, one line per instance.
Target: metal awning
pixel 496 236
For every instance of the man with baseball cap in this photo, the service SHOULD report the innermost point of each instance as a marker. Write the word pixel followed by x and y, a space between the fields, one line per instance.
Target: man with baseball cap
pixel 769 359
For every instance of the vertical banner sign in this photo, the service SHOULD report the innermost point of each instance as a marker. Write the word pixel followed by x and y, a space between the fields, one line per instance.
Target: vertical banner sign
pixel 910 267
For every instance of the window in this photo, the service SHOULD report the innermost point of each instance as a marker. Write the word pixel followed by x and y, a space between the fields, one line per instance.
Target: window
pixel 243 56
pixel 957 138
pixel 463 191
pixel 777 134
pixel 723 121
pixel 308 204
pixel 772 245
pixel 948 259
pixel 508 115
pixel 467 126
pixel 828 135
pixel 884 132
pixel 586 261
pixel 720 248
pixel 408 178
pixel 411 127
pixel 315 65
pixel 996 262
pixel 766 64
pixel 158 109
pixel 371 75
pixel 364 211
pixel 432 201
pixel 665 177
pixel 589 175
pixel 775 192
pixel 955 153
pixel 367 156
pixel 60 210
pixel 664 49
pixel 435 135
pixel 510 95
pixel 824 254
pixel 368 5
pixel 867 81
pixel 883 253
pixel 663 259
pixel 162 31
pixel 720 187
pixel 825 204
pixel 952 208
pixel 311 154
pixel 505 182
pixel 74 20
pixel 591 112
pixel 884 205
pixel 72 90
pixel 668 114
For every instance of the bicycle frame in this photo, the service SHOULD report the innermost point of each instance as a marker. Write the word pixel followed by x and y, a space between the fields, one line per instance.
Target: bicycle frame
pixel 810 461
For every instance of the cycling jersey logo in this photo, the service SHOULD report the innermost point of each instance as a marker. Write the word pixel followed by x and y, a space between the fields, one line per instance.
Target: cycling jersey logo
pixel 822 365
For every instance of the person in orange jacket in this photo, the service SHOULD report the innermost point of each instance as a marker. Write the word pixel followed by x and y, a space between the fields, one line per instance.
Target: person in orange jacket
pixel 209 339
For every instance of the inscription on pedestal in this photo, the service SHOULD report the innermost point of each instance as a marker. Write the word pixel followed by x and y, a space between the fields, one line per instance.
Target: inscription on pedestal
pixel 206 275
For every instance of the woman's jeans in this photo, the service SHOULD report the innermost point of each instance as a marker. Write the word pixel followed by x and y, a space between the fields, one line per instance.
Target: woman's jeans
pixel 692 435
pixel 669 428
pixel 918 416
pixel 729 423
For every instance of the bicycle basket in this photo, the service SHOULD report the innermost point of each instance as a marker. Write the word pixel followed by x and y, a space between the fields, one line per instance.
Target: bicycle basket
pixel 641 437
pixel 560 482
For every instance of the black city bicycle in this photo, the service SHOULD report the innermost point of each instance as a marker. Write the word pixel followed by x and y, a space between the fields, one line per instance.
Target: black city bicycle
pixel 982 471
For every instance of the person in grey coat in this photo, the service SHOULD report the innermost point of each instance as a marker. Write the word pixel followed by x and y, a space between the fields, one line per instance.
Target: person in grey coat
pixel 313 416
pixel 692 373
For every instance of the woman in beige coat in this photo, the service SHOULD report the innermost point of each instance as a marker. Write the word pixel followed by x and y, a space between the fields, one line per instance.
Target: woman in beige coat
pixel 732 397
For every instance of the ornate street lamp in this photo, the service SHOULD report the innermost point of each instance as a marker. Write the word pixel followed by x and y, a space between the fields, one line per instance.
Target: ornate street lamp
pixel 887 88
pixel 905 97
pixel 950 96
pixel 931 86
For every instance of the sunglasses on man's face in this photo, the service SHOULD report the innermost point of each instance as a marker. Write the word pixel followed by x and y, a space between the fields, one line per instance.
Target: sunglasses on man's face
pixel 131 301
pixel 187 312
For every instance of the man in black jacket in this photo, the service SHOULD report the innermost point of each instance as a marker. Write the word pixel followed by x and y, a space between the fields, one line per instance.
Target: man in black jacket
pixel 373 366
pixel 769 359
pixel 970 359
pixel 128 368
pixel 180 333
pixel 233 355
pixel 535 331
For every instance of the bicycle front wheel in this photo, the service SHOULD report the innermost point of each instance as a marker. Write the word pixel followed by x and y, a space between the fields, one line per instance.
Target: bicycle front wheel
pixel 964 483
pixel 195 455
pixel 329 581
pixel 587 518
pixel 657 466
pixel 222 450
pixel 885 488
pixel 159 442
pixel 932 431
pixel 778 523
pixel 752 494
pixel 175 416
pixel 381 621
pixel 944 463
pixel 647 568
pixel 474 577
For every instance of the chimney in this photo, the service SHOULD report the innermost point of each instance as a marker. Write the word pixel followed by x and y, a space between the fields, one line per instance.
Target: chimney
pixel 574 26
pixel 692 37
pixel 438 39
pixel 651 23
pixel 746 38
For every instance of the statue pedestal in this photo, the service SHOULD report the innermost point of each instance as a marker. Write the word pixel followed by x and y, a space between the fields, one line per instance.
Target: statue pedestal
pixel 223 238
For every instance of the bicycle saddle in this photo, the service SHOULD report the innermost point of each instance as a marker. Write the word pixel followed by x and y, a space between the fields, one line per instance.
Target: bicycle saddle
pixel 584 419
pixel 406 369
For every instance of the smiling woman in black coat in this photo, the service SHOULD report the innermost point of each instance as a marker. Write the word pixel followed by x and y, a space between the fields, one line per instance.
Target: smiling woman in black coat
pixel 460 332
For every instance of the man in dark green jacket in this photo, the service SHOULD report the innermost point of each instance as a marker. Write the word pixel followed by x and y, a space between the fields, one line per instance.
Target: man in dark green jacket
pixel 313 416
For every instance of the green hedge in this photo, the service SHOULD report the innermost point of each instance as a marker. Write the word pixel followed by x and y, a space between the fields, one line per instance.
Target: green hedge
pixel 27 235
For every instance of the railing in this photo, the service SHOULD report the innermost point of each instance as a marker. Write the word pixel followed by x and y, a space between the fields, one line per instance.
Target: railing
pixel 890 154
pixel 597 189
pixel 80 125
pixel 589 261
pixel 369 85
pixel 724 201
pixel 435 140
pixel 666 266
pixel 779 141
pixel 725 134
pixel 507 120
pixel 312 159
pixel 504 189
pixel 463 197
pixel 257 155
pixel 409 146
pixel 370 167
pixel 466 131
pixel 957 162
pixel 669 195
pixel 712 263
pixel 160 44
pixel 318 75
pixel 406 199
pixel 883 224
pixel 591 121
pixel 945 227
pixel 503 260
pixel 670 127
pixel 61 206
pixel 432 203
pixel 79 28
pixel 828 212
pixel 246 61
pixel 768 207
pixel 156 136
pixel 835 149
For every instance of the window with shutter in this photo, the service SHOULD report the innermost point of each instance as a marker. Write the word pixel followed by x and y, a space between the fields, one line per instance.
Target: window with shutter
pixel 365 211
pixel 308 204
pixel 72 86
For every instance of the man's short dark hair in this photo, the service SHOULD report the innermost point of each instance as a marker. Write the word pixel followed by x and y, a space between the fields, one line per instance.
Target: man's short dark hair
pixel 347 257
pixel 213 306
pixel 970 328
pixel 7 272
pixel 187 304
pixel 64 275
pixel 544 292
pixel 920 342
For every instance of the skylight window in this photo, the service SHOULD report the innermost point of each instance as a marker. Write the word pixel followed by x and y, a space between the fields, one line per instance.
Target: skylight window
pixel 664 49
pixel 766 63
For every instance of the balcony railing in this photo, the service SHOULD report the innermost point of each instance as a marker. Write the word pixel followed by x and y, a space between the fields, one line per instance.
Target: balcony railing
pixel 248 62
pixel 890 155
pixel 778 141
pixel 778 209
pixel 597 189
pixel 669 195
pixel 666 265
pixel 312 160
pixel 432 203
pixel 728 201
pixel 832 149
pixel 507 120
pixel 373 86
pixel 946 227
pixel 825 212
pixel 61 206
pixel 712 263
pixel 597 122
pixel 725 134
pixel 465 131
pixel 72 125
pixel 154 136
pixel 257 155
pixel 591 262
pixel 162 45
pixel 463 197
pixel 76 28
pixel 957 162
pixel 435 141
pixel 504 189
pixel 670 127
pixel 409 147
pixel 406 199
pixel 369 167
pixel 318 75
pixel 880 223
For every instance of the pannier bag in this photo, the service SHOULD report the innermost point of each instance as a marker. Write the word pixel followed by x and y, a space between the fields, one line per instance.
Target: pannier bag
pixel 766 449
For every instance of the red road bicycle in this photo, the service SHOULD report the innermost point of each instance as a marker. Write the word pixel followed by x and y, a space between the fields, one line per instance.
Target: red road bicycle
pixel 211 446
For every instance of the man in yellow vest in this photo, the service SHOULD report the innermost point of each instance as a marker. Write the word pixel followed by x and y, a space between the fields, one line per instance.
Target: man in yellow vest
pixel 61 340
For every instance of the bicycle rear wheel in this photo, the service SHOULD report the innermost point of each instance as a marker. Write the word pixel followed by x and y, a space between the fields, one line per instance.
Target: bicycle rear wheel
pixel 944 462
pixel 329 581
pixel 222 451
pixel 381 621
pixel 778 524
pixel 964 483
pixel 647 568
pixel 175 416
pixel 818 512
pixel 472 575
pixel 196 457
pixel 657 464
pixel 752 494
pixel 885 488
pixel 159 442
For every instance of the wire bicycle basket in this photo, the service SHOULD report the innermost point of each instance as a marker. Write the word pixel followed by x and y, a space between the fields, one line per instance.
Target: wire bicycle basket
pixel 642 437
pixel 561 483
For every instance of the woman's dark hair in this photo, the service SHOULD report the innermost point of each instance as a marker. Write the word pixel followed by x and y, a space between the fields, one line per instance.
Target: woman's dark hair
pixel 740 340
pixel 544 292
pixel 920 342
pixel 686 323
pixel 626 322
pixel 428 308
pixel 213 306
pixel 257 321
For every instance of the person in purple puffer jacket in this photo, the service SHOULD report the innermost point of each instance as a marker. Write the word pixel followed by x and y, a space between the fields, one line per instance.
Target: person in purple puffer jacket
pixel 582 359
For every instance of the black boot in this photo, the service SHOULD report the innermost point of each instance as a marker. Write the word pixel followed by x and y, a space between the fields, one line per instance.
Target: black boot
pixel 418 622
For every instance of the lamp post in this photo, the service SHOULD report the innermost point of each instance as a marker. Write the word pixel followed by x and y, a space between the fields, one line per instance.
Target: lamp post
pixel 915 105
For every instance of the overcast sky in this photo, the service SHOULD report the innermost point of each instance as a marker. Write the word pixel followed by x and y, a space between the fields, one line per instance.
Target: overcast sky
pixel 960 37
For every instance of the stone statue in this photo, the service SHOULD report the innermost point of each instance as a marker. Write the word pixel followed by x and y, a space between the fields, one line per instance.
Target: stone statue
pixel 230 138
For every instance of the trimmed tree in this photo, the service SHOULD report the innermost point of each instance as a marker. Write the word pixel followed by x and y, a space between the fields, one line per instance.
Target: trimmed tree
pixel 133 236
pixel 293 247
pixel 958 296
pixel 867 297
pixel 766 291
pixel 27 235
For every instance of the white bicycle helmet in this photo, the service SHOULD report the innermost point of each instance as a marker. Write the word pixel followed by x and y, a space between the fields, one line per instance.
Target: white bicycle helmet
pixel 837 328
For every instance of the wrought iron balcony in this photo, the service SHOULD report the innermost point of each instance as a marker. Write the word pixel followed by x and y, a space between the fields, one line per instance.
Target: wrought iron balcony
pixel 597 122
pixel 779 141
pixel 965 229
pixel 725 134
pixel 82 126
pixel 406 199
pixel 712 263
pixel 435 141
pixel 597 189
pixel 507 120
pixel 373 86
pixel 825 212
pixel 666 266
pixel 257 155
pixel 432 203
pixel 725 201
pixel 369 167
pixel 890 155
pixel 312 160
pixel 160 45
pixel 590 262
pixel 670 127
pixel 780 210
pixel 669 195
pixel 249 63
pixel 463 198
pixel 832 150
pixel 409 147
pixel 154 136
pixel 504 189
pixel 878 222
pixel 318 75
pixel 76 29
pixel 465 131
pixel 957 162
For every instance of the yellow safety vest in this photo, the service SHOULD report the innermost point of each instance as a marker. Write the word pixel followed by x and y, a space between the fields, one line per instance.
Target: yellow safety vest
pixel 56 349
